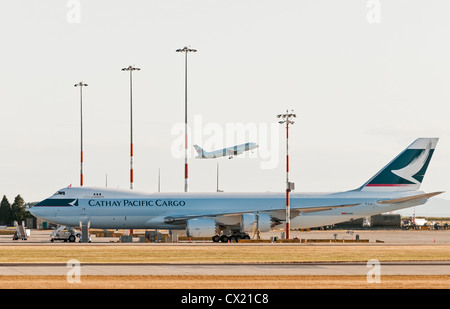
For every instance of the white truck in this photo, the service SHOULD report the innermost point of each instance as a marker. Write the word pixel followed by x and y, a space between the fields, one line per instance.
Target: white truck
pixel 66 234
pixel 420 222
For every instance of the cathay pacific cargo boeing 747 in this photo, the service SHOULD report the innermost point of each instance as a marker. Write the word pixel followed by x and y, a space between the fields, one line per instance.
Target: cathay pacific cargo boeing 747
pixel 225 215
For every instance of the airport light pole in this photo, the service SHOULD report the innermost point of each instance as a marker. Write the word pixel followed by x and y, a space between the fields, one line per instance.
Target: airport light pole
pixel 131 69
pixel 286 118
pixel 81 85
pixel 185 50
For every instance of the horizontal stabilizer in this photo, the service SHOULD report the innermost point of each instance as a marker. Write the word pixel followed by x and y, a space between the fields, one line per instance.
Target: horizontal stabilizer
pixel 409 198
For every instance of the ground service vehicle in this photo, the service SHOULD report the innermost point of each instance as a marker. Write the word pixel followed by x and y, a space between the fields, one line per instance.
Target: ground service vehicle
pixel 66 234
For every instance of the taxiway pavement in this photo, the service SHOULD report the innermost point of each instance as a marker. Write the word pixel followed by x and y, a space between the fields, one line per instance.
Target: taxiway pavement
pixel 339 269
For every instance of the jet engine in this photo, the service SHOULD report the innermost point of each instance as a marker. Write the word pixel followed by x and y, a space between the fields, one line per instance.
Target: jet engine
pixel 250 222
pixel 201 227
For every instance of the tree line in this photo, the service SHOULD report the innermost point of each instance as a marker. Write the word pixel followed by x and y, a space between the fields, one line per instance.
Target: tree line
pixel 12 212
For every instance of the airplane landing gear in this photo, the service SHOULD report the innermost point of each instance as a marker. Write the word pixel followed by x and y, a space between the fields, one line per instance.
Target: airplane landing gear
pixel 230 238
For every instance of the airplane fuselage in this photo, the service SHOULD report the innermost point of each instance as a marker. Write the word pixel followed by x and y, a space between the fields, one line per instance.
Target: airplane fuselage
pixel 221 214
pixel 229 151
pixel 109 208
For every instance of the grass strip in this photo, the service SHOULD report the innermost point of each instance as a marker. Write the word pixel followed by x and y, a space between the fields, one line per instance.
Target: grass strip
pixel 221 254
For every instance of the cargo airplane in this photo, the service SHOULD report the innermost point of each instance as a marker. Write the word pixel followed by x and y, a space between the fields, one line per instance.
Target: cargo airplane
pixel 223 216
pixel 229 151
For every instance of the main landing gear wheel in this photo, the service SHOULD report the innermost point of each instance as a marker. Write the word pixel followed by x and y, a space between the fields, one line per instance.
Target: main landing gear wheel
pixel 226 238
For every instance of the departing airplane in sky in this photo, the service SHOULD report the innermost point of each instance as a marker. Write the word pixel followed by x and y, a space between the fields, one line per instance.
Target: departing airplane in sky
pixel 229 151
pixel 226 215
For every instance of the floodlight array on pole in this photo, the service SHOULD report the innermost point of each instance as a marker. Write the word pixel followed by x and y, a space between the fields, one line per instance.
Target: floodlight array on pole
pixel 81 85
pixel 185 50
pixel 286 118
pixel 131 69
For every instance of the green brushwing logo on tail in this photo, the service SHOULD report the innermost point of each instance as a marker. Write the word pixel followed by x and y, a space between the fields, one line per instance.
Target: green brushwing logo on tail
pixel 415 170
pixel 408 168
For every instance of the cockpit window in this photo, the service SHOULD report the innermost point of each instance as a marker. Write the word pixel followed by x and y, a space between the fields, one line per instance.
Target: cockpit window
pixel 60 193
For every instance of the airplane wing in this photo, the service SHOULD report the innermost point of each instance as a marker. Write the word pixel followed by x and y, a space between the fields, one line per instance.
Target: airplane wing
pixel 279 214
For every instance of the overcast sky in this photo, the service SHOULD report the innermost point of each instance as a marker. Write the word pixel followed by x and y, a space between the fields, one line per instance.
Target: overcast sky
pixel 366 78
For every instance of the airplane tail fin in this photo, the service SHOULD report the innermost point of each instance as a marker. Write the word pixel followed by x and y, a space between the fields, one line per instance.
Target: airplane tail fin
pixel 407 170
pixel 200 151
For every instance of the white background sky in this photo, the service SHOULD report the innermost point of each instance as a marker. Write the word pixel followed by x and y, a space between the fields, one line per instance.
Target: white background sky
pixel 362 91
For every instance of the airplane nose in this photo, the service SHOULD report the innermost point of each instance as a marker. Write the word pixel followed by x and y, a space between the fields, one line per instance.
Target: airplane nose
pixel 33 211
pixel 37 211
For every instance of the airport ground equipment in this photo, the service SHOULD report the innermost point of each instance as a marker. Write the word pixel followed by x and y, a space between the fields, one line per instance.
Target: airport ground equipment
pixel 20 232
pixel 85 236
pixel 66 234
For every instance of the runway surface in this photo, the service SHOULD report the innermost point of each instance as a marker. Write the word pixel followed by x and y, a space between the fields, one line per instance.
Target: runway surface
pixel 390 237
pixel 403 268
